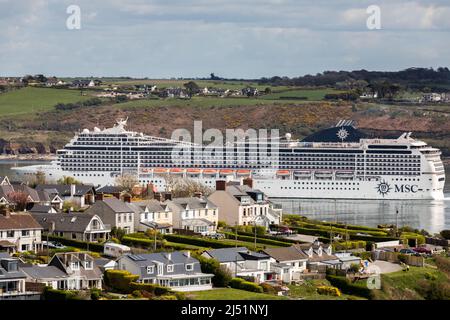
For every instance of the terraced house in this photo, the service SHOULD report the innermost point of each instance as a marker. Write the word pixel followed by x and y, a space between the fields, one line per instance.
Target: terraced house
pixel 114 212
pixel 177 270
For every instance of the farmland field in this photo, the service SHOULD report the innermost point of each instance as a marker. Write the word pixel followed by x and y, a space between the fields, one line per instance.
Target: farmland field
pixel 32 100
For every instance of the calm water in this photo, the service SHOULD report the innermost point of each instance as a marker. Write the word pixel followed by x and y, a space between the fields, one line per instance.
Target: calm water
pixel 432 216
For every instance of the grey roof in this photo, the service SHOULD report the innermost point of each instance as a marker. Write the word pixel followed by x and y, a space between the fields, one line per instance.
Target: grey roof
pixel 197 222
pixel 47 272
pixel 152 205
pixel 109 189
pixel 227 254
pixel 175 257
pixel 64 189
pixel 101 262
pixel 118 206
pixel 286 254
pixel 193 203
pixel 40 208
pixel 64 222
pixel 10 274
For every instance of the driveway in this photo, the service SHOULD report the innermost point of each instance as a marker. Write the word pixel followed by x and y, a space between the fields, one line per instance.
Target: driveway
pixel 386 267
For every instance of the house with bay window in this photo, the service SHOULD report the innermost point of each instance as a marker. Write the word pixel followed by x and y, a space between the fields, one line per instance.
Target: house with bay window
pixel 197 214
pixel 177 270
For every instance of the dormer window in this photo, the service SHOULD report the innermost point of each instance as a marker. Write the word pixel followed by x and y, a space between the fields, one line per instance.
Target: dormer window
pixel 88 265
pixel 74 266
pixel 170 268
pixel 150 269
pixel 189 267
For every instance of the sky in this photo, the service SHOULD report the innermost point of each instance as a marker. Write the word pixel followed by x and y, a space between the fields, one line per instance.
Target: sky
pixel 232 38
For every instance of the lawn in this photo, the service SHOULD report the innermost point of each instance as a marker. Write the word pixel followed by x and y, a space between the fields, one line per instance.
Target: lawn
pixel 308 291
pixel 310 94
pixel 31 100
pixel 231 294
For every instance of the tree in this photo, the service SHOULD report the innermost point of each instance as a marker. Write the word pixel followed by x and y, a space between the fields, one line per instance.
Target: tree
pixel 40 178
pixel 222 275
pixel 192 88
pixel 20 200
pixel 445 234
pixel 117 233
pixel 68 180
pixel 127 182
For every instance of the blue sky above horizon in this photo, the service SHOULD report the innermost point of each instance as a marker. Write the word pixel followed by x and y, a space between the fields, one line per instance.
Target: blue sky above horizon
pixel 232 38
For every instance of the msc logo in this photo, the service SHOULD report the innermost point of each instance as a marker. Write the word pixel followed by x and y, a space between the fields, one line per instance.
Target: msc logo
pixel 383 188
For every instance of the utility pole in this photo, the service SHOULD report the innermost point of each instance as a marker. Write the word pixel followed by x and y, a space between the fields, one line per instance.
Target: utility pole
pixel 236 234
pixel 255 233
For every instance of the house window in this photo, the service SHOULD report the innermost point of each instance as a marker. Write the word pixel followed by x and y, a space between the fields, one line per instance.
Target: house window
pixel 88 264
pixel 74 235
pixel 150 269
pixel 170 268
pixel 10 234
pixel 74 266
pixel 189 267
pixel 25 233
pixel 25 247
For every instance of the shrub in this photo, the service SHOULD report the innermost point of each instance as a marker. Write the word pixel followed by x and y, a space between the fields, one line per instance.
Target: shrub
pixel 95 294
pixel 222 276
pixel 403 258
pixel 166 297
pixel 330 291
pixel 258 240
pixel 96 247
pixel 59 295
pixel 241 284
pixel 347 287
pixel 354 267
pixel 149 287
pixel 142 242
pixel 445 234
pixel 120 280
pixel 267 288
pixel 136 294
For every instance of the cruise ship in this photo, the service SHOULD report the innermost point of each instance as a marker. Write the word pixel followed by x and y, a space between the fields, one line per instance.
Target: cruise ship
pixel 335 163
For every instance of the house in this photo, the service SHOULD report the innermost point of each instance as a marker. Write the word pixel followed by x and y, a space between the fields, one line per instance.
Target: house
pixel 244 205
pixel 319 255
pixel 287 262
pixel 153 214
pixel 45 275
pixel 347 259
pixel 4 181
pixel 39 208
pixel 241 262
pixel 177 270
pixel 105 264
pixel 75 226
pixel 196 214
pixel 105 191
pixel 12 280
pixel 19 232
pixel 115 212
pixel 81 268
pixel 78 195
pixel 11 192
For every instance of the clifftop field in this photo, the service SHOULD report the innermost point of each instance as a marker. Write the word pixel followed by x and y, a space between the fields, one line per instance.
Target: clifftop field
pixel 30 122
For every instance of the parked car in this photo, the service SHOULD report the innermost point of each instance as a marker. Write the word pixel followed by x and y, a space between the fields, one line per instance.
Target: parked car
pixel 422 250
pixel 217 236
pixel 408 251
pixel 53 245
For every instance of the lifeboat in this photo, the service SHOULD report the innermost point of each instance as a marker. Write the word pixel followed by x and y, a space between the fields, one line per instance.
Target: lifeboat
pixel 283 173
pixel 243 172
pixel 209 172
pixel 226 172
pixel 160 170
pixel 302 173
pixel 193 171
pixel 176 170
pixel 323 174
pixel 344 173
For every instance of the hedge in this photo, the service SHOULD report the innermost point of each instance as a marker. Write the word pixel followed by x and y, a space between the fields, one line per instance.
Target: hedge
pixel 347 245
pixel 207 243
pixel 330 291
pixel 349 288
pixel 241 284
pixel 59 295
pixel 149 287
pixel 91 246
pixel 119 280
pixel 140 241
pixel 258 240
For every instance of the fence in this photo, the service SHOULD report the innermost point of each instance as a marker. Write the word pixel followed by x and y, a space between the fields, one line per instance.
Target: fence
pixel 394 257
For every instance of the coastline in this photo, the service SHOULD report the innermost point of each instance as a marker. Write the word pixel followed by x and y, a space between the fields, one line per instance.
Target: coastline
pixel 28 157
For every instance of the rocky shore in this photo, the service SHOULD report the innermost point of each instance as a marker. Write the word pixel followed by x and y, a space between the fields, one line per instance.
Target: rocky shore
pixel 28 157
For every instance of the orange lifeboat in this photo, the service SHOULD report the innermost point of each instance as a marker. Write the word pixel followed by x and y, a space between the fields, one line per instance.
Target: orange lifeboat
pixel 193 171
pixel 160 170
pixel 226 172
pixel 243 172
pixel 210 172
pixel 176 170
pixel 283 173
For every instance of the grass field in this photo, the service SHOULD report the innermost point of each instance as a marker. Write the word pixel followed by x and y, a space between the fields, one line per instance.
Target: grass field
pixel 232 294
pixel 308 291
pixel 310 94
pixel 31 100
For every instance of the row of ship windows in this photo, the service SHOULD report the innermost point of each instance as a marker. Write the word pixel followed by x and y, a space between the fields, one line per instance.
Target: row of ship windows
pixel 317 188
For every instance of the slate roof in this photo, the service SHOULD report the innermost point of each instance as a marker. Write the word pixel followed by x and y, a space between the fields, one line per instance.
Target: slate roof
pixel 152 205
pixel 40 208
pixel 116 205
pixel 18 221
pixel 109 189
pixel 193 203
pixel 47 272
pixel 64 189
pixel 175 257
pixel 64 222
pixel 286 254
pixel 227 254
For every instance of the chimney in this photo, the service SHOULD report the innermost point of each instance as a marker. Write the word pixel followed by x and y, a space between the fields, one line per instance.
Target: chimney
pixel 248 182
pixel 221 185
pixel 73 190
pixel 4 210
pixel 188 254
pixel 198 195
pixel 99 197
pixel 169 256
pixel 168 196
pixel 127 198
pixel 157 196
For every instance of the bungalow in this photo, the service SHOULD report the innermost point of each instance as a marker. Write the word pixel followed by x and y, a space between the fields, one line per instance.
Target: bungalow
pixel 177 270
pixel 319 255
pixel 241 262
pixel 74 226
pixel 287 262
pixel 199 215
pixel 18 231
pixel 115 212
